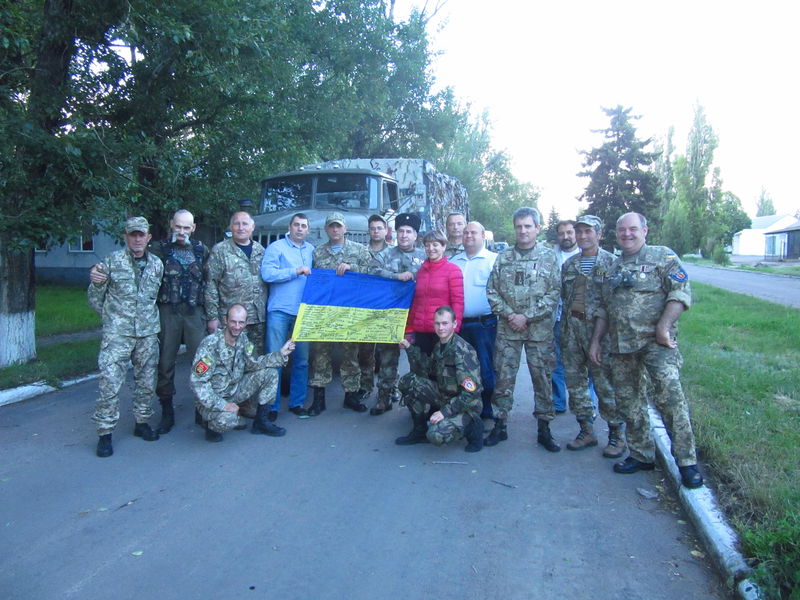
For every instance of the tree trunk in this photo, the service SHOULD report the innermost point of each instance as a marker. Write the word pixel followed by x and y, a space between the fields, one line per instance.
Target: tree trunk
pixel 17 305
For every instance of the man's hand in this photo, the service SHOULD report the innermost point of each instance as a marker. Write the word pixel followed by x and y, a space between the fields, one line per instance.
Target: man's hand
pixel 342 268
pixel 663 338
pixel 436 417
pixel 304 270
pixel 96 276
pixel 595 354
pixel 517 322
pixel 405 276
pixel 213 325
pixel 404 344
pixel 287 348
pixel 231 407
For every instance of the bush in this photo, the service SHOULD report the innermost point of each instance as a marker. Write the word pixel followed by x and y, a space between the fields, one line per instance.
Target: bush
pixel 777 552
pixel 719 256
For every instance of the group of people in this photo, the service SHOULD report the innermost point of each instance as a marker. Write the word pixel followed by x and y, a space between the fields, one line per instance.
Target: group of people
pixel 472 314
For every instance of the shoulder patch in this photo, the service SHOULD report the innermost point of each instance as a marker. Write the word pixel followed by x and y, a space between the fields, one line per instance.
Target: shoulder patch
pixel 469 384
pixel 249 348
pixel 202 365
pixel 680 275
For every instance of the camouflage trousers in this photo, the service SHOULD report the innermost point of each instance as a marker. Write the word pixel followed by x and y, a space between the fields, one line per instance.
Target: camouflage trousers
pixel 366 362
pixel 541 360
pixel 261 384
pixel 663 366
pixel 421 396
pixel 575 340
pixel 255 333
pixel 321 365
pixel 116 351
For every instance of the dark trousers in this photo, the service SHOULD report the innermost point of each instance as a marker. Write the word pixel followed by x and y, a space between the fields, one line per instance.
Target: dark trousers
pixel 179 324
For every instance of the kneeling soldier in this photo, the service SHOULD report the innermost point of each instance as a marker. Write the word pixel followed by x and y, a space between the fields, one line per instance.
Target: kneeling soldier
pixel 226 374
pixel 443 391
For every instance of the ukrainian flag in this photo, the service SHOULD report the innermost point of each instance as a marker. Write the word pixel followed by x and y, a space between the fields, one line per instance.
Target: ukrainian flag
pixel 354 307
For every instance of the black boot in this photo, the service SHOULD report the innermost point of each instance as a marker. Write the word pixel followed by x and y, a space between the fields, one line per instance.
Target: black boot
pixel 167 416
pixel 262 424
pixel 211 435
pixel 198 418
pixel 474 435
pixel 144 431
pixel 318 405
pixel 353 402
pixel 545 438
pixel 104 447
pixel 498 434
pixel 418 434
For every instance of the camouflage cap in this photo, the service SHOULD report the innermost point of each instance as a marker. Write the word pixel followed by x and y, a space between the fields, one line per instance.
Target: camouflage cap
pixel 407 220
pixel 591 221
pixel 137 224
pixel 334 217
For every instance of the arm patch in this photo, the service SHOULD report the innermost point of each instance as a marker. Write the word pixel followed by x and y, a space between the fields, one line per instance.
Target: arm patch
pixel 202 366
pixel 469 384
pixel 680 275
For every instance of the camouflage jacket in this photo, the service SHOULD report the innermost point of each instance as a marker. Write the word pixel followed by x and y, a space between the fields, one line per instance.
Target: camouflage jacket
pixel 455 369
pixel 571 275
pixel 127 300
pixel 529 285
pixel 218 368
pixel 392 261
pixel 635 292
pixel 233 279
pixel 353 253
pixel 452 249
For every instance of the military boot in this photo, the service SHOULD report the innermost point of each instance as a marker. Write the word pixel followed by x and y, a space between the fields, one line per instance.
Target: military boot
pixel 474 435
pixel 616 443
pixel 104 447
pixel 585 438
pixel 262 424
pixel 417 435
pixel 211 435
pixel 545 438
pixel 383 404
pixel 144 431
pixel 318 405
pixel 198 418
pixel 352 401
pixel 497 434
pixel 167 416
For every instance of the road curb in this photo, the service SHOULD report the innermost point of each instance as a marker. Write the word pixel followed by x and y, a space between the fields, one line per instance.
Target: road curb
pixel 25 392
pixel 700 504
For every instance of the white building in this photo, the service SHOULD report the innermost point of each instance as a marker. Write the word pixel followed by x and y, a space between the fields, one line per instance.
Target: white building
pixel 753 241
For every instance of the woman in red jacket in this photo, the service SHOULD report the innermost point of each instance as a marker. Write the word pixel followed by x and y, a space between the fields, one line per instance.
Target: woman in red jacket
pixel 439 283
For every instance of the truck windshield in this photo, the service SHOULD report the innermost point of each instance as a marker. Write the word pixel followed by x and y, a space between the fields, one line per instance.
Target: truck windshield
pixel 287 193
pixel 347 191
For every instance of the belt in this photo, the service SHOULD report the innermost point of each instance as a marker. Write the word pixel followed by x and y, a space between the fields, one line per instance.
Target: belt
pixel 577 314
pixel 483 319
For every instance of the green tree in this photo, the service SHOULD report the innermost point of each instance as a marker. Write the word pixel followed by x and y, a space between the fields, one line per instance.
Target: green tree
pixel 764 206
pixel 621 178
pixel 551 229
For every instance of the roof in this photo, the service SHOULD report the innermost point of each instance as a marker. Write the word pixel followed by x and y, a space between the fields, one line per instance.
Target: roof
pixel 793 227
pixel 766 221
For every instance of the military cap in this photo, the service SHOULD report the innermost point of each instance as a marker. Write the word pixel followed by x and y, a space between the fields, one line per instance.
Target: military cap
pixel 334 217
pixel 591 221
pixel 137 224
pixel 408 220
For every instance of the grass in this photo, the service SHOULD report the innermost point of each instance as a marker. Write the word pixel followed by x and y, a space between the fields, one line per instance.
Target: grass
pixel 54 364
pixel 741 374
pixel 63 309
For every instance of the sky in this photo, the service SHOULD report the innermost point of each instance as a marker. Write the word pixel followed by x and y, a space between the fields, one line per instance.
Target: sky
pixel 545 70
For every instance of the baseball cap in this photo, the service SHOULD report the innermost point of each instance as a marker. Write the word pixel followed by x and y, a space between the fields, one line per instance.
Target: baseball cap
pixel 137 224
pixel 591 221
pixel 334 217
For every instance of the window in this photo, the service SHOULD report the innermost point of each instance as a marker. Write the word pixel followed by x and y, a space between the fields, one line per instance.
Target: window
pixel 84 242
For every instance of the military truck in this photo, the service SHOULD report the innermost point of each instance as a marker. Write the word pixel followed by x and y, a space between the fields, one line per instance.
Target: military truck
pixel 357 188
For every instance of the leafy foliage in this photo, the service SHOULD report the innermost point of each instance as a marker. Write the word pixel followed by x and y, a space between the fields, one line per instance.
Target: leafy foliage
pixel 765 207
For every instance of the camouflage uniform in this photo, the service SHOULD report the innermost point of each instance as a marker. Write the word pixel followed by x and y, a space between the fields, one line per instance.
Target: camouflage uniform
pixel 635 292
pixel 390 263
pixel 529 284
pixel 577 325
pixel 223 373
pixel 453 249
pixel 366 351
pixel 127 304
pixel 449 381
pixel 358 257
pixel 235 279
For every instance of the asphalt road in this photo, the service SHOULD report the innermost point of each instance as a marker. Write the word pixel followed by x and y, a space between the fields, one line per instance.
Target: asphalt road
pixel 332 510
pixel 775 288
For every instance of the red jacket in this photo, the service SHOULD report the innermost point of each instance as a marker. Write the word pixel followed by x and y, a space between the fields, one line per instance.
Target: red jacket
pixel 438 283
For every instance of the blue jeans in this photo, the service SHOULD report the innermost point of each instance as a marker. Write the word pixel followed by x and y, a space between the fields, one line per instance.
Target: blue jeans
pixel 559 384
pixel 481 336
pixel 279 328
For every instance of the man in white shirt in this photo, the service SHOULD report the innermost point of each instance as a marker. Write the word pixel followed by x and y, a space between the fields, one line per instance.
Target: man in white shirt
pixel 566 247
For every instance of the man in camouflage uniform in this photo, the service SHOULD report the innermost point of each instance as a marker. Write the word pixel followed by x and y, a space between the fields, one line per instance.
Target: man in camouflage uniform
pixel 581 278
pixel 523 291
pixel 399 262
pixel 644 293
pixel 366 351
pixel 341 255
pixel 226 374
pixel 454 226
pixel 234 277
pixel 126 301
pixel 443 390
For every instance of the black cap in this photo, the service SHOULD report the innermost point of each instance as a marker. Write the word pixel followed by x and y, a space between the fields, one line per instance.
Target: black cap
pixel 409 220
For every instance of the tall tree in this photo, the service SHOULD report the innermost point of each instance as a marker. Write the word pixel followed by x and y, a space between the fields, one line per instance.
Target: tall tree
pixel 551 230
pixel 621 178
pixel 764 206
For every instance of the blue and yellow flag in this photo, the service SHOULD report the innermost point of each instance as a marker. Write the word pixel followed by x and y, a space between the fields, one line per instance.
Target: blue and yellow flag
pixel 354 307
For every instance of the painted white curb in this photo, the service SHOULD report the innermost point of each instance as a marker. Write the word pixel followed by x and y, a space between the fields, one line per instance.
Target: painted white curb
pixel 36 389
